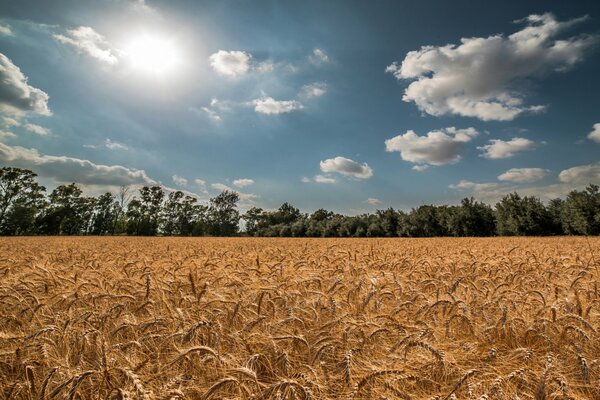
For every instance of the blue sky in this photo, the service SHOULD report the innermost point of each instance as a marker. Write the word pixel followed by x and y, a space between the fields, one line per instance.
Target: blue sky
pixel 345 105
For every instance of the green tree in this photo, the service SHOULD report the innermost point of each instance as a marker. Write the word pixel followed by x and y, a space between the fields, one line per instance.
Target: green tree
pixel 223 215
pixel 581 212
pixel 68 213
pixel 105 212
pixel 522 216
pixel 21 199
pixel 472 218
pixel 252 217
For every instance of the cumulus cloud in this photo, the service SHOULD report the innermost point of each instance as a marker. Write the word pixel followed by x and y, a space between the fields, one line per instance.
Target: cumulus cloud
pixel 270 106
pixel 324 179
pixel 438 147
pixel 6 30
pixel 595 133
pixel 316 89
pixel 243 182
pixel 480 76
pixel 37 129
pixel 582 174
pixel 319 57
pixel 346 167
pixel 179 181
pixel 230 63
pixel 521 175
pixel 374 202
pixel 86 40
pixel 70 169
pixel 17 97
pixel 244 197
pixel 505 149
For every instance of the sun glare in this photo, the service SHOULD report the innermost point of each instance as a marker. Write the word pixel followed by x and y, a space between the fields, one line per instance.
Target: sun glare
pixel 153 54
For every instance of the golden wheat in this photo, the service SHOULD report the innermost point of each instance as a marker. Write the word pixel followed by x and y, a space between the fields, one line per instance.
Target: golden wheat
pixel 203 318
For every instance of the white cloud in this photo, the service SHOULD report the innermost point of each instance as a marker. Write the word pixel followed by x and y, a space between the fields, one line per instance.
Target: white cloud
pixel 244 197
pixel 324 179
pixel 179 181
pixel 346 167
pixel 7 135
pixel 243 182
pixel 374 202
pixel 109 144
pixel 319 57
pixel 420 167
pixel 504 149
pixel 270 106
pixel 305 179
pixel 201 184
pixel 5 30
pixel 265 66
pixel 582 174
pixel 468 185
pixel 439 147
pixel 480 77
pixel 70 169
pixel 521 175
pixel 212 114
pixel 575 178
pixel 37 129
pixel 316 89
pixel 230 63
pixel 10 122
pixel 86 40
pixel 595 133
pixel 16 95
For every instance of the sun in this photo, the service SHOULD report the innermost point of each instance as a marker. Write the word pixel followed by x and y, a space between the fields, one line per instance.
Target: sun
pixel 152 54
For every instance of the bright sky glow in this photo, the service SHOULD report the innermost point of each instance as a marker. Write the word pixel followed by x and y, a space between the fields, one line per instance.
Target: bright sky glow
pixel 153 54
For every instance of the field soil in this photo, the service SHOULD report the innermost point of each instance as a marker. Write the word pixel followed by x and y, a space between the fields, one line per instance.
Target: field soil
pixel 246 318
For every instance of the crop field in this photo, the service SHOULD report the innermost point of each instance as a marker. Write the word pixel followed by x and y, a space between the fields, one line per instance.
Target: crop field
pixel 204 318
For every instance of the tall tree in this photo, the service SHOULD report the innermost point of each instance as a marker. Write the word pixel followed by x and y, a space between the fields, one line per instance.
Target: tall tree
pixel 521 216
pixel 581 211
pixel 68 213
pixel 105 213
pixel 21 198
pixel 223 215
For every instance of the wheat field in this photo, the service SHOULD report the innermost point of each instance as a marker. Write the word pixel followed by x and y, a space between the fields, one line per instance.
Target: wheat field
pixel 203 318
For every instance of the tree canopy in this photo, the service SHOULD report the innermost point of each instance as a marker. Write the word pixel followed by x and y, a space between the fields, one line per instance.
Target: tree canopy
pixel 26 209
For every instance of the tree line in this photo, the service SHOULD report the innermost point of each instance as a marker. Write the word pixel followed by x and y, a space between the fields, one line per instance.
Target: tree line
pixel 26 209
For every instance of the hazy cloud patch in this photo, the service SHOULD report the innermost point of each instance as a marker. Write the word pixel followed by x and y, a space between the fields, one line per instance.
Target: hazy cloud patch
pixel 243 182
pixel 86 40
pixel 521 175
pixel 70 169
pixel 37 129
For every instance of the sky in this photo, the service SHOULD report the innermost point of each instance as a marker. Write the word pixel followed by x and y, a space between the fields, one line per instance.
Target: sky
pixel 346 105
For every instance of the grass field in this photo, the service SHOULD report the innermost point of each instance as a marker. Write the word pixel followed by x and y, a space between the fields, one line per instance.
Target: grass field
pixel 170 318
